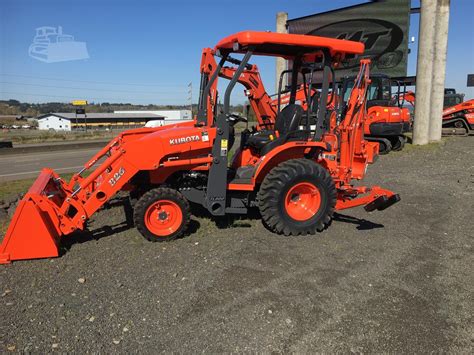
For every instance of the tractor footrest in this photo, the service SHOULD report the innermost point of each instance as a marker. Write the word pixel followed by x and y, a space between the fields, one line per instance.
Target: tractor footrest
pixel 382 202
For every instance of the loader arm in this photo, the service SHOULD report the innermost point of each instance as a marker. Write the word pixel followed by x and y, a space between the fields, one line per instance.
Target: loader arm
pixel 57 208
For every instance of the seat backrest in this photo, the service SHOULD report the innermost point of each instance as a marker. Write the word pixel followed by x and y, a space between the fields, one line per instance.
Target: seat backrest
pixel 383 103
pixel 288 119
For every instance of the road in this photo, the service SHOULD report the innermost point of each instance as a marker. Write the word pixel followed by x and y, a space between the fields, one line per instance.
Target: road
pixel 24 166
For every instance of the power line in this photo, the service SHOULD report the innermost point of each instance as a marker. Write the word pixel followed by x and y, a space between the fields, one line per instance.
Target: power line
pixel 91 82
pixel 68 97
pixel 90 89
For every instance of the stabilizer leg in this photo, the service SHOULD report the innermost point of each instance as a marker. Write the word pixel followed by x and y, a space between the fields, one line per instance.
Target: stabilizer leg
pixel 382 202
pixel 374 198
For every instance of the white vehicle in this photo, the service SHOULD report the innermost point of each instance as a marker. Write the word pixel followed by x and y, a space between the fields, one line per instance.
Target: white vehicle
pixel 162 122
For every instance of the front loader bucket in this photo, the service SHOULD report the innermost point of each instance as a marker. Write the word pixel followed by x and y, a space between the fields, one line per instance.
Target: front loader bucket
pixel 33 231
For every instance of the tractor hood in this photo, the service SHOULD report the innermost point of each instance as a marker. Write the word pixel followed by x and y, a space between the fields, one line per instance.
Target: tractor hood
pixel 166 142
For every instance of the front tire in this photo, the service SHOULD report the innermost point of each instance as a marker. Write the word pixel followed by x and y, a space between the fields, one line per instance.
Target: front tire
pixel 297 197
pixel 162 214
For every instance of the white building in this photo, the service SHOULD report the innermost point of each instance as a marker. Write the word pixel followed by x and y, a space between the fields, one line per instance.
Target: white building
pixel 170 116
pixel 54 123
pixel 67 121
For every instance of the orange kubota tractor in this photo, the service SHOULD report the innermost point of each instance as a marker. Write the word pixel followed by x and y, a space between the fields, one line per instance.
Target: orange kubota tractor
pixel 294 175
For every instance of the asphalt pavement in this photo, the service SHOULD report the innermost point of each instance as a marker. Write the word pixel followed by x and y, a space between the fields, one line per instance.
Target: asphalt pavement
pixel 24 166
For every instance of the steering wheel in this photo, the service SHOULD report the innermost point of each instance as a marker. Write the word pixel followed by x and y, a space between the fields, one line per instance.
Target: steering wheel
pixel 234 118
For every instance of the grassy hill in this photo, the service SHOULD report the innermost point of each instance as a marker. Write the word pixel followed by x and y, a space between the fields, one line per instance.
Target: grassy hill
pixel 17 108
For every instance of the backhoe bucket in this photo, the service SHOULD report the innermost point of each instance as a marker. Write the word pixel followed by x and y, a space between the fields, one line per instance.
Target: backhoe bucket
pixel 34 229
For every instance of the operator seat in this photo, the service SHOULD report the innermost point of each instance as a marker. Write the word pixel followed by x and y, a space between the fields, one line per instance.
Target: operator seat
pixel 286 123
pixel 383 103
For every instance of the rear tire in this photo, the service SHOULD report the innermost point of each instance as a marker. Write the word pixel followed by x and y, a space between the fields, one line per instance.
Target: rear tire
pixel 162 214
pixel 297 197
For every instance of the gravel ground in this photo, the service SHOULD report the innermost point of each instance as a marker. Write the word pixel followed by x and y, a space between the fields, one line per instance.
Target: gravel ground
pixel 394 281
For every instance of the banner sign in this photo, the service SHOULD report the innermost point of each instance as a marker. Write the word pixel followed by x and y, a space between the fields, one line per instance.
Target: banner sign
pixel 382 26
pixel 470 80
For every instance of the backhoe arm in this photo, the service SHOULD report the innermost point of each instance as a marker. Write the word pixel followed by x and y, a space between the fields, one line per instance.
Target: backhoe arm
pixel 255 91
pixel 259 99
pixel 356 152
pixel 351 128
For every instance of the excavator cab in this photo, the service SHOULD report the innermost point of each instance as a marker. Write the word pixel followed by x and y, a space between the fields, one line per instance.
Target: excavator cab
pixel 388 120
pixel 379 92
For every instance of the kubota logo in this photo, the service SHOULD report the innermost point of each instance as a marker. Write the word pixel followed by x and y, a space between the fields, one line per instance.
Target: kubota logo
pixel 182 140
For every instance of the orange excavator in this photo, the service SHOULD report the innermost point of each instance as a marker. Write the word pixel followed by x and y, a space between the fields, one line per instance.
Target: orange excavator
pixel 296 176
pixel 387 121
pixel 458 119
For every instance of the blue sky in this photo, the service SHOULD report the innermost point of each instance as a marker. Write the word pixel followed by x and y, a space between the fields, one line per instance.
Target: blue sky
pixel 148 51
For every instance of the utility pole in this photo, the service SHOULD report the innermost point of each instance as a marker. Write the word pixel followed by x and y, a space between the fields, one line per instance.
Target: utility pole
pixel 439 69
pixel 281 19
pixel 190 97
pixel 424 71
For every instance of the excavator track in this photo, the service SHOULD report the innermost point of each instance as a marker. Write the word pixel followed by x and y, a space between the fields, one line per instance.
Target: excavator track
pixel 385 146
pixel 454 131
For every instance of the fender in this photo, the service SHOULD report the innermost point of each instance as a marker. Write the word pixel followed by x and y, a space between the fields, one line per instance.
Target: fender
pixel 289 150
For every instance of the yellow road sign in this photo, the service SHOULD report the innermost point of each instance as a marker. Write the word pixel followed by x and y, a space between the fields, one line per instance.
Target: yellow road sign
pixel 79 102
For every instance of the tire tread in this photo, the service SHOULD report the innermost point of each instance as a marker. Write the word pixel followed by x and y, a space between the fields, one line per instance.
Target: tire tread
pixel 276 180
pixel 159 194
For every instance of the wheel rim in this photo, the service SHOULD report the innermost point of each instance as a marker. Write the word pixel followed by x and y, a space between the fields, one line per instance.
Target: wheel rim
pixel 302 201
pixel 163 218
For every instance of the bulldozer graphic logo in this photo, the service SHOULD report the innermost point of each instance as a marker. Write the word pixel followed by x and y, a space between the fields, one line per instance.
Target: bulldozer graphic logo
pixel 50 45
pixel 182 140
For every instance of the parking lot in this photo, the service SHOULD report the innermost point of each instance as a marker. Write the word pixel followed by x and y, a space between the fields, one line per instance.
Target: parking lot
pixel 394 281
